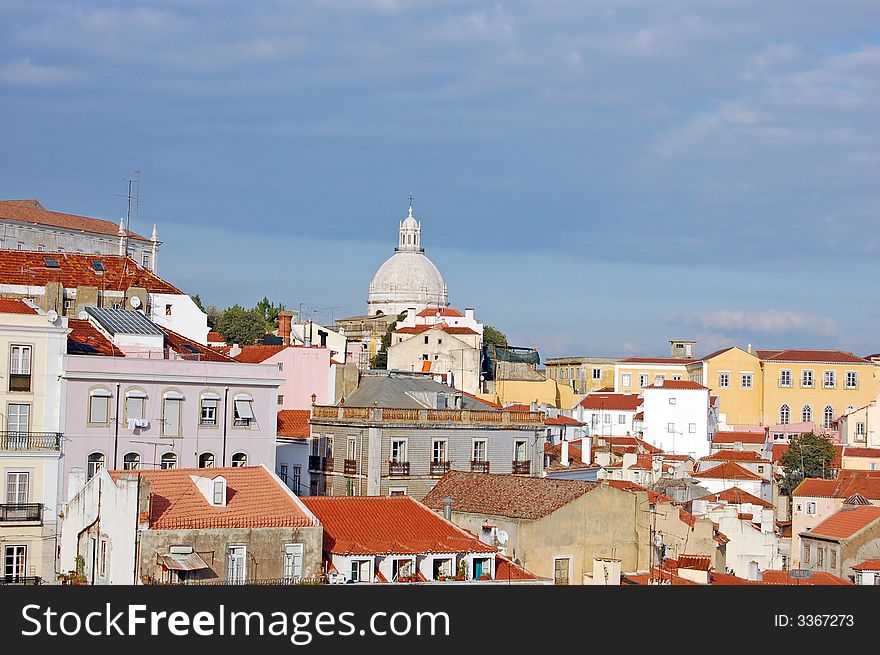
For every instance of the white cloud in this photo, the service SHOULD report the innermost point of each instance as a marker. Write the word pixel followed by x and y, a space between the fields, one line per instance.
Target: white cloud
pixel 771 321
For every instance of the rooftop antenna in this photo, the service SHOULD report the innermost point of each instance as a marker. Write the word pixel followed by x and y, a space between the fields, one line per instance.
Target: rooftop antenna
pixel 136 183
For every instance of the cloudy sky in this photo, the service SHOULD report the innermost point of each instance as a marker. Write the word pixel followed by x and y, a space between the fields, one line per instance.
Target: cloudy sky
pixel 594 177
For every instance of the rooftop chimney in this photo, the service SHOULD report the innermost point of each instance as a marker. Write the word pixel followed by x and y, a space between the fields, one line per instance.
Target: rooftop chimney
pixel 564 457
pixel 447 508
pixel 586 450
pixel 285 318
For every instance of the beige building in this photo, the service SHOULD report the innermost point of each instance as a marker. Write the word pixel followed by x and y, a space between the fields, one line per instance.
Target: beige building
pixel 582 374
pixel 843 540
pixel 441 350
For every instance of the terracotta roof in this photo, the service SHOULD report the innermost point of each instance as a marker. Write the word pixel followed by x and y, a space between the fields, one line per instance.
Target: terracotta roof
pixel 716 353
pixel 729 455
pixel 866 483
pixel 507 570
pixel 850 451
pixel 26 267
pixel 215 337
pixel 12 306
pixel 31 211
pixel 388 524
pixel 444 311
pixel 743 437
pixel 728 471
pixel 677 384
pixel 626 402
pixel 867 565
pixel 257 354
pixel 697 562
pixel 784 578
pixel 777 450
pixel 254 499
pixel 518 407
pixel 418 329
pixel 736 496
pixel 559 420
pixel 819 356
pixel 294 423
pixel 639 416
pixel 83 333
pixel 658 360
pixel 554 453
pixel 846 522
pixel 184 346
pixel 505 495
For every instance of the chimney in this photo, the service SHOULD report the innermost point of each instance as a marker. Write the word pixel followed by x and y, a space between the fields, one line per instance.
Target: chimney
pixel 606 571
pixel 285 318
pixel 586 450
pixel 750 349
pixel 447 508
pixel 629 459
pixel 234 350
pixel 564 457
pixel 469 313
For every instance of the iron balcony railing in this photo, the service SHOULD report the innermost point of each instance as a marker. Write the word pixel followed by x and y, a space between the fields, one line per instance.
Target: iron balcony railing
pixel 24 441
pixel 21 512
pixel 522 468
pixel 479 466
pixel 24 580
pixel 439 468
pixel 398 469
pixel 350 466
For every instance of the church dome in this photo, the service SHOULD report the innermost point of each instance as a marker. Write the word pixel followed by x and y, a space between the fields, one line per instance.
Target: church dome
pixel 407 278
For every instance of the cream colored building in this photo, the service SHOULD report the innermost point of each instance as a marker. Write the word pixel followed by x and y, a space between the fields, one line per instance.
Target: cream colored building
pixel 582 374
pixel 450 352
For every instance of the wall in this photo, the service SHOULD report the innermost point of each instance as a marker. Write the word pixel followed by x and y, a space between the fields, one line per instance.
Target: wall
pixel 446 353
pixel 747 544
pixel 292 453
pixel 649 369
pixel 577 372
pixel 54 239
pixel 186 318
pixel 741 406
pixel 691 407
pixel 305 371
pixel 532 391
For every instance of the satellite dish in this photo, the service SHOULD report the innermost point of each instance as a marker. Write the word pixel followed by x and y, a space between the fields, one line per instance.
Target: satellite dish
pixel 83 315
pixel 134 301
pixel 502 536
pixel 51 316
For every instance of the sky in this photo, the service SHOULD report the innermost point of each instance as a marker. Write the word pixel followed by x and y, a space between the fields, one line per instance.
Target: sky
pixel 593 177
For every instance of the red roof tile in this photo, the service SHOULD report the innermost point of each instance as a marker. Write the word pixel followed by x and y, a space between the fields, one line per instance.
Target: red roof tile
pixel 518 407
pixel 507 570
pixel 294 423
pixel 388 524
pixel 716 353
pixel 736 496
pixel 728 471
pixel 180 344
pixel 625 402
pixel 819 356
pixel 257 354
pixel 444 311
pixel 868 565
pixel 84 333
pixel 31 211
pixel 846 522
pixel 418 329
pixel 735 456
pixel 559 420
pixel 696 562
pixel 658 360
pixel 742 437
pixel 12 306
pixel 779 577
pixel 866 483
pixel 678 384
pixel 255 499
pixel 27 267
pixel 215 337
pixel 850 451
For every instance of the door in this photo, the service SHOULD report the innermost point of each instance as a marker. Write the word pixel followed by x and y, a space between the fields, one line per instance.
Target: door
pixel 14 564
pixel 16 495
pixel 293 556
pixel 236 571
pixel 560 571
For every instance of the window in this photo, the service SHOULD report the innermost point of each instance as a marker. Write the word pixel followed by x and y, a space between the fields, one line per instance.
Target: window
pixel 95 464
pixel 243 412
pixel 18 418
pixel 131 462
pixel 282 472
pixel 20 368
pixel 820 556
pixel 280 399
pixel 397 491
pixel 724 380
pixel 17 487
pixel 236 567
pixel 208 411
pixel 806 554
pixel 672 401
pixel 784 414
pixel 219 493
pixel 676 378
pixel 829 380
pixel 438 451
pixel 745 380
pixel 860 431
pixel 398 450
pixel 659 379
pixel 832 563
pixel 670 427
pixel 168 461
pixel 828 416
pixel 426 338
pixel 293 559
pixel 99 406
pixel 807 378
pixel 560 571
pixel 785 378
pixel 135 405
pixel 171 404
pixel 811 508
pixel 643 379
pixel 606 419
pixel 479 450
pixel 625 380
pixel 519 450
pixel 206 461
pixel 692 428
pixel 168 309
pixel 14 563
pixel 146 260
pixel 597 373
pixel 360 570
pixel 102 560
pixel 807 414
pixel 351 448
pixel 760 468
pixel 621 419
pixel 239 459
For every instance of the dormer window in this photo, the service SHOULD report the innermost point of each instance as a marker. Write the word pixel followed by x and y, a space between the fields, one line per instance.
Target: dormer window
pixel 219 492
pixel 213 489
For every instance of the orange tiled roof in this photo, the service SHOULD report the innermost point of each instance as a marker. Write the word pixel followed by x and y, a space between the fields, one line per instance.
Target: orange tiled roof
pixel 697 562
pixel 850 451
pixel 846 522
pixel 735 456
pixel 27 267
pixel 257 354
pixel 84 333
pixel 779 577
pixel 728 471
pixel 716 353
pixel 735 436
pixel 819 356
pixel 31 211
pixel 215 337
pixel 507 570
pixel 293 423
pixel 255 499
pixel 368 525
pixel 518 407
pixel 624 402
pixel 866 483
pixel 444 311
pixel 867 565
pixel 418 329
pixel 180 344
pixel 678 384
pixel 658 360
pixel 736 496
pixel 560 420
pixel 12 306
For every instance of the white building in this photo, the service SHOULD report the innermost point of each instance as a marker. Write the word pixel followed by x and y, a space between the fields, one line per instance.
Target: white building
pixel 453 353
pixel 608 414
pixel 679 417
pixel 448 316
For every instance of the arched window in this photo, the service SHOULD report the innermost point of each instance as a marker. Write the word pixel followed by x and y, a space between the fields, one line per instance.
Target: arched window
pixel 784 414
pixel 131 462
pixel 96 463
pixel 169 461
pixel 206 461
pixel 828 416
pixel 807 414
pixel 239 459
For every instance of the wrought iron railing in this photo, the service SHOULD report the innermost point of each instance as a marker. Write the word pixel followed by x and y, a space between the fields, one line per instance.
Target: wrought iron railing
pixel 21 512
pixel 24 580
pixel 439 468
pixel 398 469
pixel 350 466
pixel 522 467
pixel 23 441
pixel 479 466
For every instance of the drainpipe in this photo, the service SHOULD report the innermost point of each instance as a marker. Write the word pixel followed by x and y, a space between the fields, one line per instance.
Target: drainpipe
pixel 116 438
pixel 225 402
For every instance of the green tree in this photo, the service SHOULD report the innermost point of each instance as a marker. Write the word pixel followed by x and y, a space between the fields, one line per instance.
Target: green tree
pixel 380 359
pixel 241 326
pixel 808 456
pixel 492 336
pixel 197 299
pixel 269 312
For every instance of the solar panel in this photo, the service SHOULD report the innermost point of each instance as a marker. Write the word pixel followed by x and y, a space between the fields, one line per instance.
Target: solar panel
pixel 121 321
pixel 98 266
pixel 51 262
pixel 75 347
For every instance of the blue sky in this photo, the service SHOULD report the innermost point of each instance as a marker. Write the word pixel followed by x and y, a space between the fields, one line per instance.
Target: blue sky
pixel 592 177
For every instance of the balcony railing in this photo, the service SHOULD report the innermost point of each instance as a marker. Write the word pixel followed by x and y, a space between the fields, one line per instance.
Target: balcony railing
pixel 349 466
pixel 21 512
pixel 439 468
pixel 398 469
pixel 479 466
pixel 23 441
pixel 327 464
pixel 315 462
pixel 24 580
pixel 522 467
pixel 392 414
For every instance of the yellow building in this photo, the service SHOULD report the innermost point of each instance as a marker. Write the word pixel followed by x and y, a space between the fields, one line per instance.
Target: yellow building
pixel 736 377
pixel 635 373
pixel 550 392
pixel 30 441
pixel 582 374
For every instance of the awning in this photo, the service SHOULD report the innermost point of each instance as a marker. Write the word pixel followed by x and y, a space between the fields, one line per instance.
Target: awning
pixel 182 562
pixel 243 407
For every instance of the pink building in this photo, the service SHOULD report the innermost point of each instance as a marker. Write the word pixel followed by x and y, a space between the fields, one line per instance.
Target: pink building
pixel 137 396
pixel 304 370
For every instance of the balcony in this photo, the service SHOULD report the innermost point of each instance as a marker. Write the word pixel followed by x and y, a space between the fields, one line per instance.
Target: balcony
pixel 439 468
pixel 19 382
pixel 398 469
pixel 327 464
pixel 522 467
pixel 30 441
pixel 349 467
pixel 479 466
pixel 21 513
pixel 24 580
pixel 315 462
